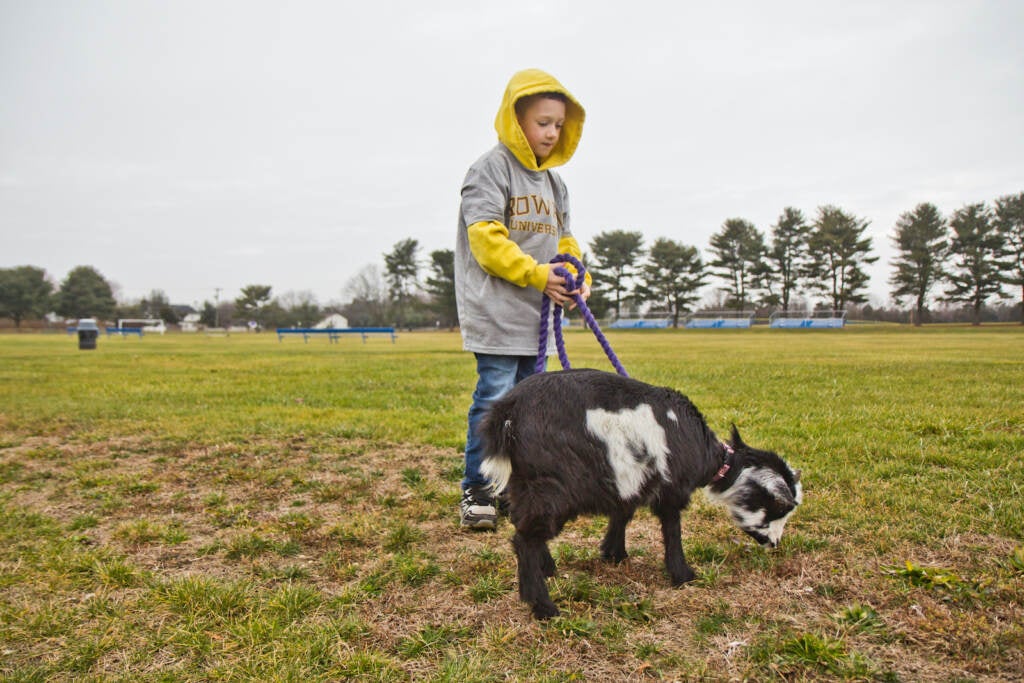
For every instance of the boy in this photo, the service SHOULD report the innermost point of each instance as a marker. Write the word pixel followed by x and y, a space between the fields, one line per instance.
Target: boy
pixel 513 219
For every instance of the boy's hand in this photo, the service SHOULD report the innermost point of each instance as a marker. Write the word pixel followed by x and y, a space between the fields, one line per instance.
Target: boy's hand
pixel 556 291
pixel 584 292
pixel 555 288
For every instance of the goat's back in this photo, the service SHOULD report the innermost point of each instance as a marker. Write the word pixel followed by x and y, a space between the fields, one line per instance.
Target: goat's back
pixel 539 430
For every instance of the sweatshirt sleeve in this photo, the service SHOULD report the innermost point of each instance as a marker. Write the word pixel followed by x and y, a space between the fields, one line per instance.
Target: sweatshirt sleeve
pixel 569 245
pixel 501 257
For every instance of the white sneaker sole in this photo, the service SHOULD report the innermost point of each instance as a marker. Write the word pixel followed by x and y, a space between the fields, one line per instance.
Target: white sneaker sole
pixel 478 524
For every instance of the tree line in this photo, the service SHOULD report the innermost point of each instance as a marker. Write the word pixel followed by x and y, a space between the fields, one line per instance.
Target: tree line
pixel 966 259
pixel 969 258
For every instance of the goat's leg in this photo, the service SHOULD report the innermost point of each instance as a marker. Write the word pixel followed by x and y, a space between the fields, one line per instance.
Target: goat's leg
pixel 534 525
pixel 671 535
pixel 547 563
pixel 613 547
pixel 531 554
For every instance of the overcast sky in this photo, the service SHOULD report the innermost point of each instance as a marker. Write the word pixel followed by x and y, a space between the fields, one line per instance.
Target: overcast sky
pixel 187 146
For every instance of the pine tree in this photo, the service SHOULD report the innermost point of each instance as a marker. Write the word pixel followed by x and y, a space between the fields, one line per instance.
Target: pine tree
pixel 739 251
pixel 402 275
pixel 922 245
pixel 1010 223
pixel 838 252
pixel 616 255
pixel 672 276
pixel 252 302
pixel 787 252
pixel 980 260
pixel 441 286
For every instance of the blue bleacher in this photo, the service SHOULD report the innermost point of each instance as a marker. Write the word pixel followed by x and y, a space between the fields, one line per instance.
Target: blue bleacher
pixel 808 322
pixel 718 323
pixel 640 324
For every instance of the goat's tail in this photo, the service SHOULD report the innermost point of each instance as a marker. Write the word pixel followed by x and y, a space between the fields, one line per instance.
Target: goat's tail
pixel 499 441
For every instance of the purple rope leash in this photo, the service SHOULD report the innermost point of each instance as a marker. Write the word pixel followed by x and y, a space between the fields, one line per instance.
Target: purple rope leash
pixel 545 307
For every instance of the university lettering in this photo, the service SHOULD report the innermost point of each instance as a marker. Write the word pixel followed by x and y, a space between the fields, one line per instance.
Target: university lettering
pixel 533 226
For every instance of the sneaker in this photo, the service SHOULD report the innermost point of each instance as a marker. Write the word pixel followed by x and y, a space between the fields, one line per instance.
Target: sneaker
pixel 477 511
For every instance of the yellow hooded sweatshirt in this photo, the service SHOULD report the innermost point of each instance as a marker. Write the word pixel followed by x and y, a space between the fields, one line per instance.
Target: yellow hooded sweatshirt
pixel 532 82
pixel 513 219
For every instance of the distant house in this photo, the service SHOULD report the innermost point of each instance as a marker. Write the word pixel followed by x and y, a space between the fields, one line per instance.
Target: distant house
pixel 333 321
pixel 190 323
pixel 181 311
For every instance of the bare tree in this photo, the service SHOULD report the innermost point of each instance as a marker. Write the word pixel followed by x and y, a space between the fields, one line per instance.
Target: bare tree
pixel 368 298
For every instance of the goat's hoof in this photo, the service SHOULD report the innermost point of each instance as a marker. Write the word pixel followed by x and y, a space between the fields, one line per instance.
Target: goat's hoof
pixel 684 578
pixel 614 558
pixel 544 611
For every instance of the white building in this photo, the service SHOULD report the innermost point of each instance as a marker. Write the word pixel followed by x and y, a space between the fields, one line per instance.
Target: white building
pixel 190 323
pixel 333 322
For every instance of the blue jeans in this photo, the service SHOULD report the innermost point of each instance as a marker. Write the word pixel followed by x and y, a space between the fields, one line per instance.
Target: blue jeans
pixel 495 376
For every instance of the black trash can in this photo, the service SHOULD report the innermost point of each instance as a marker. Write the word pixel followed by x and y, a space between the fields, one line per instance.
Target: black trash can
pixel 88 332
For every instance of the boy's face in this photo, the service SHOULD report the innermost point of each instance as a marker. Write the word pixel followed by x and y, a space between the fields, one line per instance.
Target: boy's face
pixel 542 122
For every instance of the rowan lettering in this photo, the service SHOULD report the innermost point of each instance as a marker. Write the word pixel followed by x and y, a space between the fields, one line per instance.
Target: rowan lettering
pixel 519 206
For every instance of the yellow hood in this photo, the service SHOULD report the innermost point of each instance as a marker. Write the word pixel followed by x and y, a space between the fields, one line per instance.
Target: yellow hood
pixel 531 82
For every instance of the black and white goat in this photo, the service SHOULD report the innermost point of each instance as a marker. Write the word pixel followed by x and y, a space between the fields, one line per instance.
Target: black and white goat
pixel 562 444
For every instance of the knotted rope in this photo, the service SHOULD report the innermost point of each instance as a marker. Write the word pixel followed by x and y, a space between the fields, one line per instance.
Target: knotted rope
pixel 571 283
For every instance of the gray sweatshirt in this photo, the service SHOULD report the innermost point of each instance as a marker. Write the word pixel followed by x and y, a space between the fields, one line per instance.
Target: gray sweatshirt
pixel 497 316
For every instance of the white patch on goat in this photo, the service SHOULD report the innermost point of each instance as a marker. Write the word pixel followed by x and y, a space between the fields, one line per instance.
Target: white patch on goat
pixel 498 470
pixel 633 439
pixel 771 481
pixel 775 528
pixel 725 497
pixel 748 519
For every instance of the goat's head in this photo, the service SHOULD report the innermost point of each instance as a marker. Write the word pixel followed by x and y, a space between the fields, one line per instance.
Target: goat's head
pixel 763 494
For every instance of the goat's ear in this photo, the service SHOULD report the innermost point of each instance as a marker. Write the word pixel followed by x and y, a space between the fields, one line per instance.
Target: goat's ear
pixel 736 440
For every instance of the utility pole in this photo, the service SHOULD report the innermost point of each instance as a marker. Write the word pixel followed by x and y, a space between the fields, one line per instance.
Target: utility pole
pixel 216 306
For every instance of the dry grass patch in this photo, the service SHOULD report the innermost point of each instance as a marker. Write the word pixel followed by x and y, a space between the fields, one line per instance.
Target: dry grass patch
pixel 344 560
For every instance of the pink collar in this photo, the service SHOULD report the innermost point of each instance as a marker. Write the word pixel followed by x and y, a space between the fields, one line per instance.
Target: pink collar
pixel 724 469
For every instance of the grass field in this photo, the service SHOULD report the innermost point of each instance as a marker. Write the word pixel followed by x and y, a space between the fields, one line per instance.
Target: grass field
pixel 188 508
